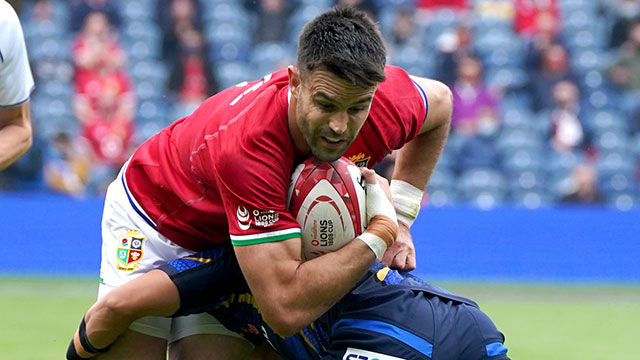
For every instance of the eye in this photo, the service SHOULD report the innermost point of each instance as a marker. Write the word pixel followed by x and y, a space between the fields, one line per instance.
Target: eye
pixel 327 107
pixel 356 109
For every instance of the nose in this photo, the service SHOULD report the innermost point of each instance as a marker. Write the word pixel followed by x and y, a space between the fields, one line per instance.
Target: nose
pixel 338 122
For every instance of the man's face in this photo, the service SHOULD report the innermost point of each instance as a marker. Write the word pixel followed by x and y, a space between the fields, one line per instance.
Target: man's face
pixel 330 112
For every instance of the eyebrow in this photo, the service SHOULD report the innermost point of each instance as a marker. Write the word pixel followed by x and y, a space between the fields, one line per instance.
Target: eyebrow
pixel 325 96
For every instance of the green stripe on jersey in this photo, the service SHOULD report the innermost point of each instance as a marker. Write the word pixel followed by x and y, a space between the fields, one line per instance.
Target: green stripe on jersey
pixel 265 237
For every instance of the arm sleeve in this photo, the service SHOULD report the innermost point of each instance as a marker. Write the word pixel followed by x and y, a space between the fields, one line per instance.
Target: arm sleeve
pixel 255 202
pixel 16 80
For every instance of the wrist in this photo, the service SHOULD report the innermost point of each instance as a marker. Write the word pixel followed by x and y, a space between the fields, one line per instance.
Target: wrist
pixel 406 201
pixel 375 243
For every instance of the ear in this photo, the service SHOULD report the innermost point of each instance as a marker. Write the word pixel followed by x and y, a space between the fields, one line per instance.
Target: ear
pixel 294 80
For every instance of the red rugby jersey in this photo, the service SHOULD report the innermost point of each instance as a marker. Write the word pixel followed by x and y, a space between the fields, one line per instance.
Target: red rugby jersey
pixel 223 172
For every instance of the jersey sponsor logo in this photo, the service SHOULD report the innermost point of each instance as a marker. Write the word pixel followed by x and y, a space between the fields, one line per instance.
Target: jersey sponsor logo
pixel 259 218
pixel 244 222
pixel 265 218
pixel 129 252
pixel 359 354
pixel 361 160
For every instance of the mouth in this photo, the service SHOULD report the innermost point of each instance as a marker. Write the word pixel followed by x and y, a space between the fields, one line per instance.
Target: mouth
pixel 332 140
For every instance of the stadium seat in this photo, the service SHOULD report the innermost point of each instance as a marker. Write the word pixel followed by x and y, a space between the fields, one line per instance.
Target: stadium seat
pixel 141 50
pixel 136 10
pixel 512 140
pixel 229 52
pixel 507 78
pixel 232 73
pixel 50 49
pixel 483 187
pixel 149 70
pixel 141 30
pixel 225 32
pixel 266 56
pixel 523 159
pixel 616 163
pixel 530 199
pixel 607 120
pixel 623 201
pixel 147 89
pixel 612 141
pixel 228 13
pixel 413 60
pixel 618 183
pixel 441 21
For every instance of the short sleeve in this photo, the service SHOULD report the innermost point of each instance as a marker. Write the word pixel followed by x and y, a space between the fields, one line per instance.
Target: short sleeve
pixel 254 199
pixel 16 80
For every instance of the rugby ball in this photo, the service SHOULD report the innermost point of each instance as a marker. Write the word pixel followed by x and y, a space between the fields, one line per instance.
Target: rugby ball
pixel 328 201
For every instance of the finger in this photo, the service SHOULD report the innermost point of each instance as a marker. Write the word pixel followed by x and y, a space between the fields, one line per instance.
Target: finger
pixel 369 175
pixel 399 261
pixel 388 255
pixel 411 262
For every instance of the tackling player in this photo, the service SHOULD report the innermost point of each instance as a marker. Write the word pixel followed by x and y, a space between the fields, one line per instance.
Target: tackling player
pixel 16 85
pixel 221 175
pixel 388 315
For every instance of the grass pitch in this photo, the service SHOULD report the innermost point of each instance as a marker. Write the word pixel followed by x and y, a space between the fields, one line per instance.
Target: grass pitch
pixel 540 322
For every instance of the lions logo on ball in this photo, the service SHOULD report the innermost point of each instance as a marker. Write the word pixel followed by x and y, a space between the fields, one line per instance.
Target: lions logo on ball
pixel 328 201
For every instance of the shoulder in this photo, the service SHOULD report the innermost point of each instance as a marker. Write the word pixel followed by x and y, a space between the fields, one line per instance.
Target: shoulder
pixel 9 22
pixel 11 38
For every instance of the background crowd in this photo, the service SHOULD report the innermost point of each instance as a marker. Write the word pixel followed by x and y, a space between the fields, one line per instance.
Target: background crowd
pixel 546 92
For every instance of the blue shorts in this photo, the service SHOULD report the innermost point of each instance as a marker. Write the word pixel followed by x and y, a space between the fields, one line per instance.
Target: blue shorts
pixel 388 315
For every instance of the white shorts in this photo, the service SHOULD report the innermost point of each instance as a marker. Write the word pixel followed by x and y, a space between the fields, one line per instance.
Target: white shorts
pixel 131 247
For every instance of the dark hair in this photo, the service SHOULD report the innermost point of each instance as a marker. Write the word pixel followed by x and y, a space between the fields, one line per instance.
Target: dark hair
pixel 346 42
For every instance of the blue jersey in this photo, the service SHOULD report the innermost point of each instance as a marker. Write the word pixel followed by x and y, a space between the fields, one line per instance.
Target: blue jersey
pixel 388 315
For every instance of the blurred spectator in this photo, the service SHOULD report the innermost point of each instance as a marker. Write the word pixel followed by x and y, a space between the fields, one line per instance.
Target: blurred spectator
pixel 271 14
pixel 80 9
pixel 500 9
pixel 181 16
pixel 625 73
pixel 472 98
pixel 532 14
pixel 191 78
pixel 67 165
pixel 625 13
pixel 553 68
pixel 566 129
pixel 583 184
pixel 369 6
pixel 432 5
pixel 480 150
pixel 452 47
pixel 95 51
pixel 42 10
pixel 106 118
pixel 104 103
pixel 542 40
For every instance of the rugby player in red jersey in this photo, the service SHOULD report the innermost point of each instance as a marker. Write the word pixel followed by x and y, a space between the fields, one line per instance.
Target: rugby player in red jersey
pixel 222 174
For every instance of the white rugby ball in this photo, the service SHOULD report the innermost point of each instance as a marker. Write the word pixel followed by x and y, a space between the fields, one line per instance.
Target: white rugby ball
pixel 328 201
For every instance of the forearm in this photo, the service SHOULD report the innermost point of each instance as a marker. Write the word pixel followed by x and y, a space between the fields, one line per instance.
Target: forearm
pixel 310 288
pixel 15 134
pixel 14 142
pixel 152 294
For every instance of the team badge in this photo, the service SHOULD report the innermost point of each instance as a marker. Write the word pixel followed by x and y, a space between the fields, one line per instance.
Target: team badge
pixel 361 160
pixel 129 253
pixel 359 354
